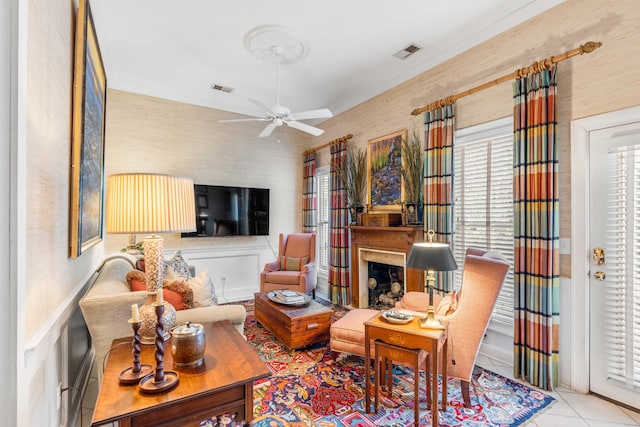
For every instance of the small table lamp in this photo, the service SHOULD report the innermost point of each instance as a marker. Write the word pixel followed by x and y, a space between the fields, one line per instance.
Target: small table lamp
pixel 431 256
pixel 151 203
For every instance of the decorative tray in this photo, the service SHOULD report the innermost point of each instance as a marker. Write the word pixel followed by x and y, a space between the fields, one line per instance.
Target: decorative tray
pixel 289 298
pixel 397 316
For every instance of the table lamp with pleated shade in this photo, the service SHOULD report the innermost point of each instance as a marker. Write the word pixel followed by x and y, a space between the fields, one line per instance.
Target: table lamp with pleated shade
pixel 149 203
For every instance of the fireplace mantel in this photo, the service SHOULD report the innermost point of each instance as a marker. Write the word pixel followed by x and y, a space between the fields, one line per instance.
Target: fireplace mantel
pixel 396 239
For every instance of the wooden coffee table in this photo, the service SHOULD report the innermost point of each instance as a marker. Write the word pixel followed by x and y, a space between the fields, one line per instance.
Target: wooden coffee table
pixel 222 384
pixel 294 326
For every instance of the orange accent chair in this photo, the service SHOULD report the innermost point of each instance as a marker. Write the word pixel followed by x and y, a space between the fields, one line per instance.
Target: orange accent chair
pixel 482 278
pixel 295 267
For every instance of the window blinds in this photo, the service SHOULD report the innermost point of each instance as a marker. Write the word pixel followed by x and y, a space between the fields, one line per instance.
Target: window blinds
pixel 483 205
pixel 322 179
pixel 622 297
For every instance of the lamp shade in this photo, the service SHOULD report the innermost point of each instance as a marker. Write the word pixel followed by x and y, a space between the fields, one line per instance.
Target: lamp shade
pixel 431 256
pixel 150 203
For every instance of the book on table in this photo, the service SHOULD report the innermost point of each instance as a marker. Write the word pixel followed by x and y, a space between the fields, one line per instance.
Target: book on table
pixel 290 297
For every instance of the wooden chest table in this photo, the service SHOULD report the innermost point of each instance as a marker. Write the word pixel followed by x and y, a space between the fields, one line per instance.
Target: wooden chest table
pixel 294 326
pixel 222 384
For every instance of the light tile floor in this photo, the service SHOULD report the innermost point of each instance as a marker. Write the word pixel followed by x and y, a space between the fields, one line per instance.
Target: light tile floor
pixel 570 409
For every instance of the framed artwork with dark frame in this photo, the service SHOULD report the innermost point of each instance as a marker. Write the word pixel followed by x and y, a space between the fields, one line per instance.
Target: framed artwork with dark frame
pixel 87 148
pixel 384 172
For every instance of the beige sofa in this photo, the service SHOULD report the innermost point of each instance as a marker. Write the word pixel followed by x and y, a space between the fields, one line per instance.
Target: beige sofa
pixel 106 308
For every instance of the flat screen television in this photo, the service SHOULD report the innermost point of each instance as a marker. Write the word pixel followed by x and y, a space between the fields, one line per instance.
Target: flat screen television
pixel 230 211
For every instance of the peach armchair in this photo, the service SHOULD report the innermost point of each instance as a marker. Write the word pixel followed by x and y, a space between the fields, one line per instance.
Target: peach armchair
pixel 295 267
pixel 482 278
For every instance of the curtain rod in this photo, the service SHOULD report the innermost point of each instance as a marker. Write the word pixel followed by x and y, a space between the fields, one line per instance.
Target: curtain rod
pixel 329 144
pixel 588 47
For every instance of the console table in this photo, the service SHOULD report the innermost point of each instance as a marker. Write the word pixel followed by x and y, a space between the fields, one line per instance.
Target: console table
pixel 222 384
pixel 411 336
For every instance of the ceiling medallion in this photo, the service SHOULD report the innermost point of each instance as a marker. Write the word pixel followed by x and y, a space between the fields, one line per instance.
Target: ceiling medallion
pixel 262 40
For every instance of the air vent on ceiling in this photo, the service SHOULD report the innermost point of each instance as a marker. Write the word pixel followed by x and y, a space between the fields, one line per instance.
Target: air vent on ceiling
pixel 407 51
pixel 222 88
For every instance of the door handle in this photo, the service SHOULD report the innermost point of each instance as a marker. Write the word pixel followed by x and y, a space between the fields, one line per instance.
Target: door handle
pixel 598 256
pixel 600 276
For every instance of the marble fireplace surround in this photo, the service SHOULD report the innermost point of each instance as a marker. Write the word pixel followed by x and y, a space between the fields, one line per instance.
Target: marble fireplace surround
pixel 387 245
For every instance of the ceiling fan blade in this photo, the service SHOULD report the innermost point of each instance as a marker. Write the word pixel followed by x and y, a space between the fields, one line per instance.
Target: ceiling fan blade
pixel 305 128
pixel 243 120
pixel 267 130
pixel 322 113
pixel 263 106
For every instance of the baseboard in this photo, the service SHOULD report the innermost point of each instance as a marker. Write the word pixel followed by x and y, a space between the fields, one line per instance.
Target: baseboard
pixel 227 295
pixel 497 353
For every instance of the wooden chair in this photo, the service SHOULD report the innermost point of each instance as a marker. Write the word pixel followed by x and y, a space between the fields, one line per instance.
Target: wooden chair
pixel 412 357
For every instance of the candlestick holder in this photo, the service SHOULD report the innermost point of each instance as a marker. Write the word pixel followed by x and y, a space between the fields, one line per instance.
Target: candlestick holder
pixel 161 380
pixel 134 373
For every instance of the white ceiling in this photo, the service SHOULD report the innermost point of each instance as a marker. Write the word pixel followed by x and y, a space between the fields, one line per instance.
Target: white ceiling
pixel 177 49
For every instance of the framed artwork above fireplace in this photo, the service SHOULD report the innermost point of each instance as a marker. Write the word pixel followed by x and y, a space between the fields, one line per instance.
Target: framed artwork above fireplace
pixel 384 172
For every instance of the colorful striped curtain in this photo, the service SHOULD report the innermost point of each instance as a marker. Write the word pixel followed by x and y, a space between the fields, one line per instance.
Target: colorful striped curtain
pixel 536 230
pixel 339 279
pixel 438 180
pixel 309 197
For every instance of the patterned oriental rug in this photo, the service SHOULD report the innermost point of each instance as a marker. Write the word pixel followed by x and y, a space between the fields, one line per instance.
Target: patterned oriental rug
pixel 308 388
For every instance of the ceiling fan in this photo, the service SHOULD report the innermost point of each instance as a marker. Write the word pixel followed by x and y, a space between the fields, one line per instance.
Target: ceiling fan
pixel 279 115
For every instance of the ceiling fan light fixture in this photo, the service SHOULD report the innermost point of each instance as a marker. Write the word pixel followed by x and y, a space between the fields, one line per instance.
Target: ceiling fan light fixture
pixel 276 44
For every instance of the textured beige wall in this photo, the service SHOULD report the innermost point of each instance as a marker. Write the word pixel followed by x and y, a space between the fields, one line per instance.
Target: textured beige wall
pixel 49 278
pixel 50 275
pixel 605 80
pixel 146 134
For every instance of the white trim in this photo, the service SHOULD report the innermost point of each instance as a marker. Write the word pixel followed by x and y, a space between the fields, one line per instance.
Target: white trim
pixel 580 133
pixel 484 130
pixel 8 141
pixel 18 204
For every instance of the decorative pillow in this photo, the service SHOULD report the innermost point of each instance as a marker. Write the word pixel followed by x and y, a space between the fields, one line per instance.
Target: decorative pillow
pixel 447 305
pixel 181 289
pixel 204 293
pixel 135 275
pixel 414 301
pixel 178 294
pixel 292 264
pixel 178 265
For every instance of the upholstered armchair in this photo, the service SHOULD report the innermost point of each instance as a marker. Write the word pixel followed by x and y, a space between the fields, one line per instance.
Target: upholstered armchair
pixel 470 311
pixel 295 267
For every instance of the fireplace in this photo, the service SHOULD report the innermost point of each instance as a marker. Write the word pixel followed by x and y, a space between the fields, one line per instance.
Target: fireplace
pixel 382 279
pixel 381 253
pixel 385 285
